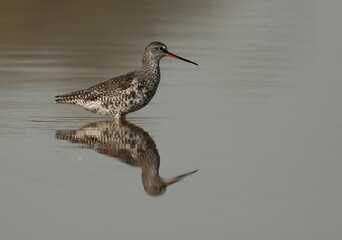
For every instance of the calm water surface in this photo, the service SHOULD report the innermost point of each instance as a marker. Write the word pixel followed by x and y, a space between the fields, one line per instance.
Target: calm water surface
pixel 260 119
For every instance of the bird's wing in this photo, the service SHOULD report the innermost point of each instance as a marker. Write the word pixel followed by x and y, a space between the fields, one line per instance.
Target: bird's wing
pixel 109 87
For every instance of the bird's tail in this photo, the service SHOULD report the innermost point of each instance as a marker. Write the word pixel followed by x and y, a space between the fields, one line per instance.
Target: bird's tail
pixel 70 98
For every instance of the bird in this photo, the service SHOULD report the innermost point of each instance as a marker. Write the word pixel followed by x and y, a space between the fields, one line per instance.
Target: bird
pixel 128 143
pixel 126 93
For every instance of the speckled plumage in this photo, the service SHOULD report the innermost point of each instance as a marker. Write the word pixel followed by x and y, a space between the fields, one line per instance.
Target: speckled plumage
pixel 126 93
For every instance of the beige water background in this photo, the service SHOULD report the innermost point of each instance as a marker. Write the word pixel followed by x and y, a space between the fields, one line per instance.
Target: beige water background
pixel 260 118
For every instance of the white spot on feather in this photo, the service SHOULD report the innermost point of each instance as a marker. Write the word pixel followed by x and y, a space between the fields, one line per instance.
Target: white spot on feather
pixel 96 106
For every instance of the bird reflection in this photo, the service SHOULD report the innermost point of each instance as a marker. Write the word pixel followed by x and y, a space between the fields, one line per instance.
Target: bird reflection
pixel 128 143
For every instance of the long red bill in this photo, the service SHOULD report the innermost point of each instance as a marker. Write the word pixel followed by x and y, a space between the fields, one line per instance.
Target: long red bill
pixel 175 56
pixel 178 178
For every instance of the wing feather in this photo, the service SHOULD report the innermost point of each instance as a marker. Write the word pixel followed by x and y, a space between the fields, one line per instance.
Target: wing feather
pixel 109 87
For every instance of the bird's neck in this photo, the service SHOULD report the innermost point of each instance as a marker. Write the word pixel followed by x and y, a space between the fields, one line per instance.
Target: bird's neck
pixel 150 62
pixel 150 71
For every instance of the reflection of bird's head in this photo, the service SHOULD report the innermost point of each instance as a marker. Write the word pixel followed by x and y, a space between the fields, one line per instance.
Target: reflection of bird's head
pixel 154 188
pixel 157 186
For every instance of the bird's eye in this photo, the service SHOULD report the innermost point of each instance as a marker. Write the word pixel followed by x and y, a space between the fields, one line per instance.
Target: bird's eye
pixel 161 48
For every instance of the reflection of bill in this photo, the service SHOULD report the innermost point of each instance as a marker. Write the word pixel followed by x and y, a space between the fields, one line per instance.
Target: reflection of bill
pixel 128 143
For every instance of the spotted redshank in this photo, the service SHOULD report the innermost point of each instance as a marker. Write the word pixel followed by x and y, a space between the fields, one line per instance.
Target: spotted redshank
pixel 126 93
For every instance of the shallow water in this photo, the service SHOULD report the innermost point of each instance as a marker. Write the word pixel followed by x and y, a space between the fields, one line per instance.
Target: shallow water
pixel 260 119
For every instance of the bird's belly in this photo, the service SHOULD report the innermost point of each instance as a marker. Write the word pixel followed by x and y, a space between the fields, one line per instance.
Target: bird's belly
pixel 119 105
pixel 132 101
pixel 97 107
